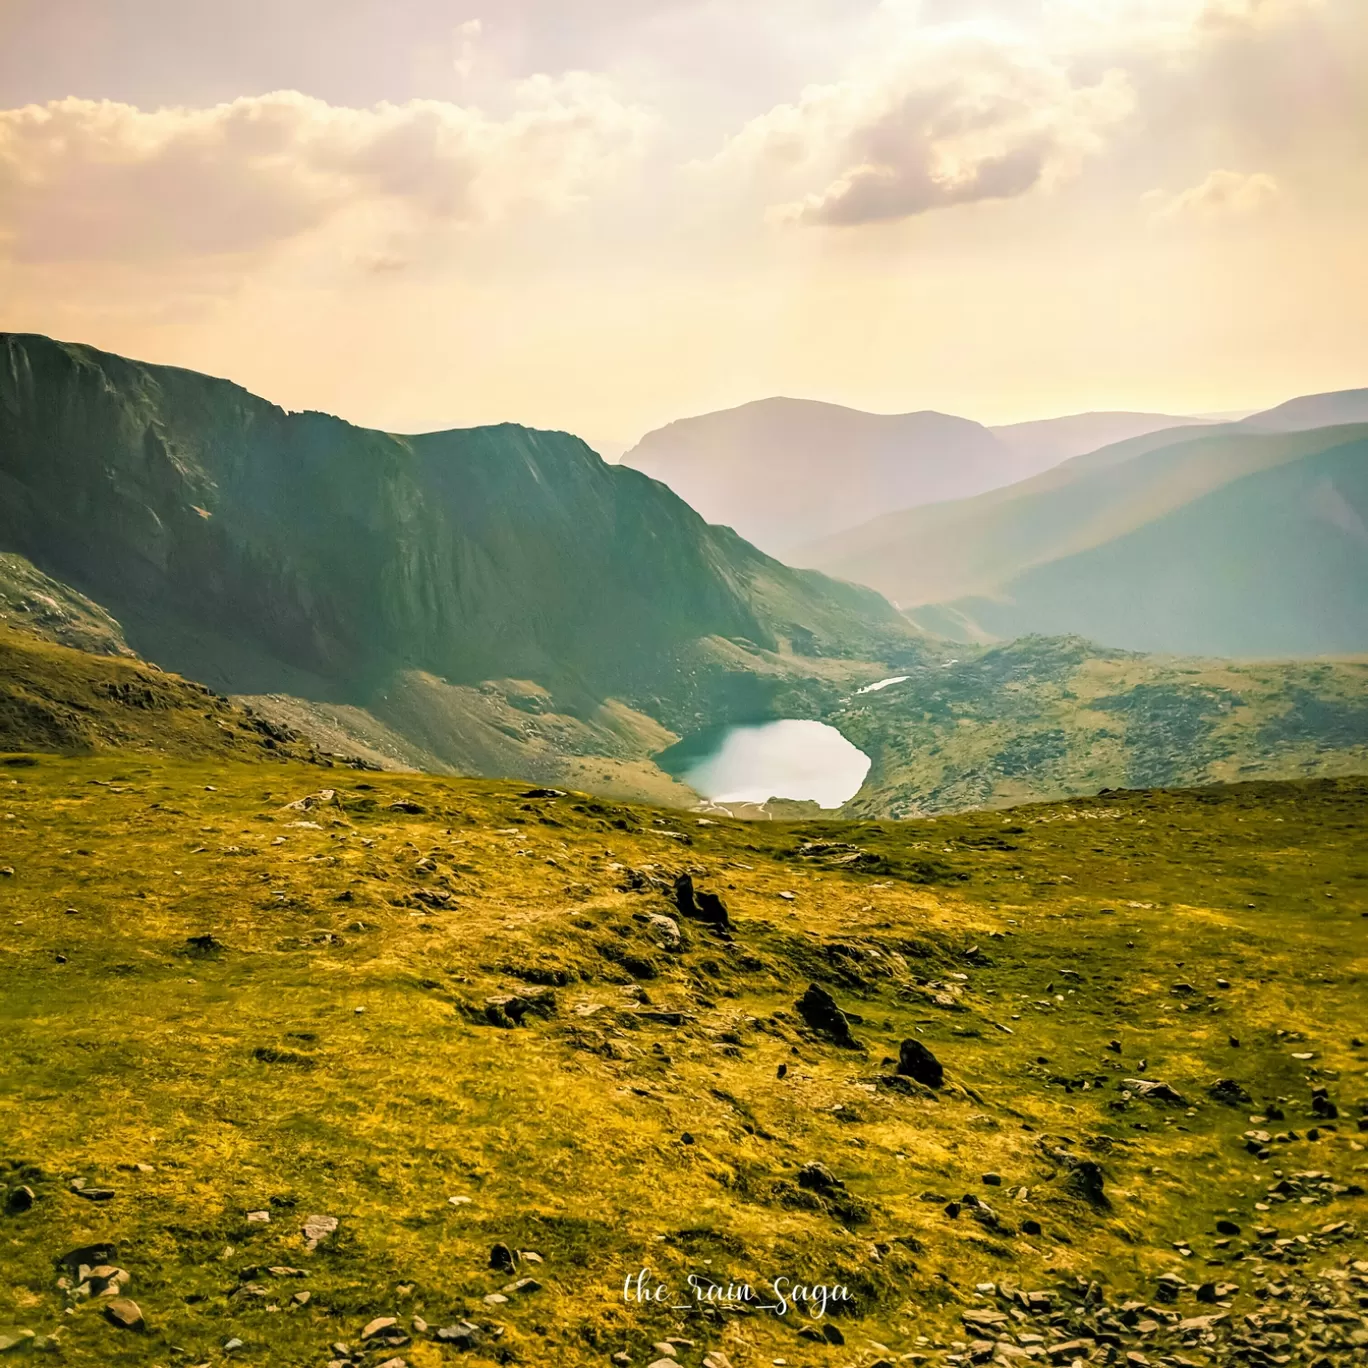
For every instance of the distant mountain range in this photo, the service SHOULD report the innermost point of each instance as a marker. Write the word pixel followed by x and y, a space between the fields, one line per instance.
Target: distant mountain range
pixel 500 601
pixel 1241 539
pixel 786 472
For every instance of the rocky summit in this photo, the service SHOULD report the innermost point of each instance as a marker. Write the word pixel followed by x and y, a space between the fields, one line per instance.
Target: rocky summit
pixel 308 1065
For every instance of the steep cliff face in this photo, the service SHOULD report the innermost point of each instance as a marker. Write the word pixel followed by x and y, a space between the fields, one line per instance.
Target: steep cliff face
pixel 269 551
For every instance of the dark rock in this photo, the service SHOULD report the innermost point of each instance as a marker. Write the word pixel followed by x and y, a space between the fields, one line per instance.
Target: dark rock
pixel 916 1061
pixel 19 1200
pixel 700 906
pixel 819 1010
pixel 1030 1227
pixel 544 793
pixel 816 1177
pixel 1229 1092
pixel 831 1334
pixel 1322 1106
pixel 1086 1180
pixel 1227 1227
pixel 503 1258
pixel 91 1255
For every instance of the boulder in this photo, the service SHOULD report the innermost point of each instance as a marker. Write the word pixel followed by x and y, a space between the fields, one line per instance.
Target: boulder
pixel 917 1062
pixel 125 1314
pixel 819 1010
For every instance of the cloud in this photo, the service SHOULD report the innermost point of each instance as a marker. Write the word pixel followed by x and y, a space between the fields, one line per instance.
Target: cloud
pixel 1222 193
pixel 943 109
pixel 96 180
pixel 959 113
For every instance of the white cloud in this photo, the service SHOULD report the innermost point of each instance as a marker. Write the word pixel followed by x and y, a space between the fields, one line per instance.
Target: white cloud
pixel 1222 193
pixel 943 110
pixel 95 180
pixel 958 113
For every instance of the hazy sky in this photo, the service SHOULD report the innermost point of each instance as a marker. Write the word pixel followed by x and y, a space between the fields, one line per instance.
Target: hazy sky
pixel 605 214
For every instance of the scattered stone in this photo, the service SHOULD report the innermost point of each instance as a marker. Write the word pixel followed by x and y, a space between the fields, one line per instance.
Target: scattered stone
pixel 125 1314
pixel 465 1335
pixel 92 1194
pixel 664 931
pixel 15 1339
pixel 917 1062
pixel 318 1229
pixel 386 1330
pixel 1152 1090
pixel 993 1179
pixel 258 1218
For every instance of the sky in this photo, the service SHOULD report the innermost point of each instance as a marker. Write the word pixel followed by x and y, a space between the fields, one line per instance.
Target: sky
pixel 602 215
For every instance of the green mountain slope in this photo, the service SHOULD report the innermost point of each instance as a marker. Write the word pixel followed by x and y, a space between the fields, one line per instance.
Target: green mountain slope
pixel 1042 718
pixel 1274 564
pixel 274 553
pixel 946 551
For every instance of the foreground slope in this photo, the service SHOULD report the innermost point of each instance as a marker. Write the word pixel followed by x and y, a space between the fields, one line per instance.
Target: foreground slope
pixel 450 1017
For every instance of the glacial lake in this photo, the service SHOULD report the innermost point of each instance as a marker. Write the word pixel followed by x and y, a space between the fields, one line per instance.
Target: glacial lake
pixel 786 759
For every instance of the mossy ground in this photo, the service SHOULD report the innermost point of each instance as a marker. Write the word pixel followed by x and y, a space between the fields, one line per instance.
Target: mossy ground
pixel 334 1056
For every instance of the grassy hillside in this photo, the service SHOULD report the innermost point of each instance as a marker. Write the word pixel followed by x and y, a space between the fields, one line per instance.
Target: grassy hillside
pixel 452 1018
pixel 1049 717
pixel 54 698
pixel 1275 563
